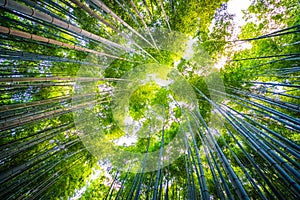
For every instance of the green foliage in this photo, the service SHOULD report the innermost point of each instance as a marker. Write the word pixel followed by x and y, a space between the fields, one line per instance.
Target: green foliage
pixel 140 99
pixel 240 143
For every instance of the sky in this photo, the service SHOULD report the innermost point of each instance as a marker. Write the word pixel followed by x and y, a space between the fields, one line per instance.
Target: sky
pixel 235 7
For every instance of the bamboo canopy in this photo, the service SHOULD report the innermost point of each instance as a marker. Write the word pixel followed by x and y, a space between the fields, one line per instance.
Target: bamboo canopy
pixel 125 100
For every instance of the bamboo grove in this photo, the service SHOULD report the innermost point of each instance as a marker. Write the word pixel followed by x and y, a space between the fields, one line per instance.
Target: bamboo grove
pixel 241 141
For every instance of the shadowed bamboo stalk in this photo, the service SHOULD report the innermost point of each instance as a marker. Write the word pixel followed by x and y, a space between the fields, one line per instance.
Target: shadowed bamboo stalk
pixel 231 122
pixel 43 79
pixel 13 5
pixel 145 25
pixel 87 9
pixel 10 123
pixel 30 36
pixel 165 14
pixel 26 56
pixel 104 7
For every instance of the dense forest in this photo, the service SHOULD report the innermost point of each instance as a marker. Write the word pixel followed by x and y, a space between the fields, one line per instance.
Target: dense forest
pixel 151 99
